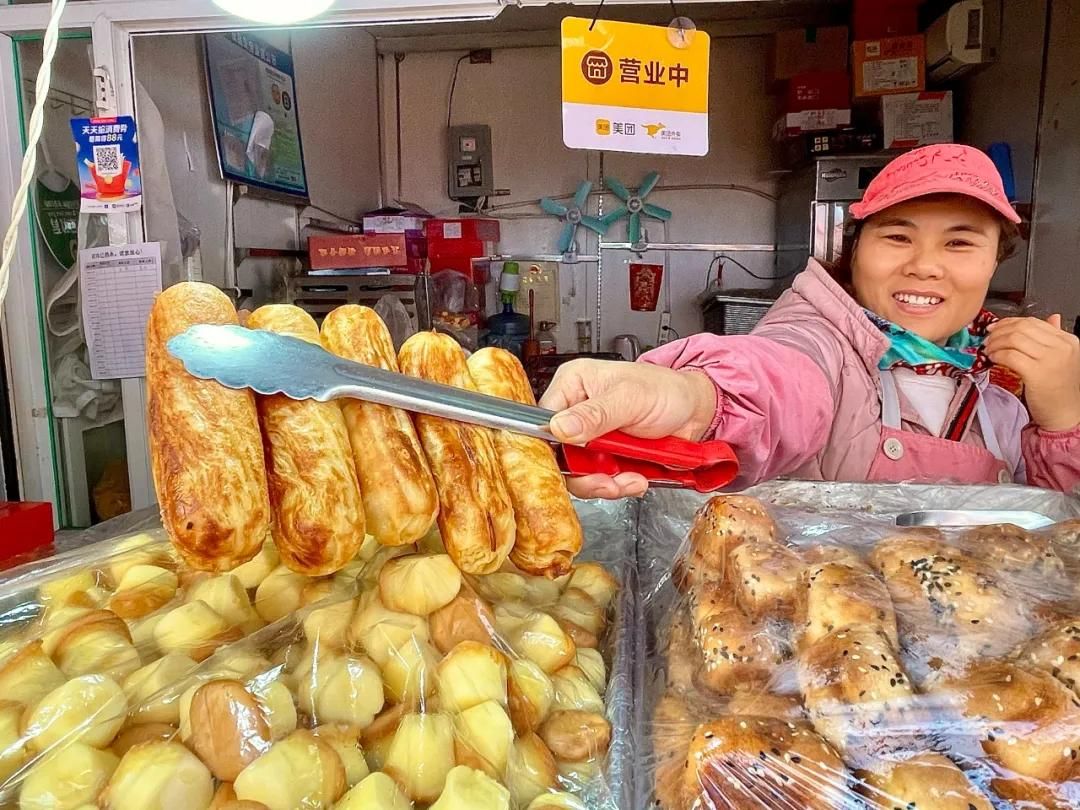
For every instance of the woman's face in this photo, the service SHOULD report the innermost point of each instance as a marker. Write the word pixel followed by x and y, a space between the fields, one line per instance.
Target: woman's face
pixel 926 264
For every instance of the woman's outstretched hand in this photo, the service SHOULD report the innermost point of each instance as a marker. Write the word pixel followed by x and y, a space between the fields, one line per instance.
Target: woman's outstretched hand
pixel 1047 358
pixel 594 397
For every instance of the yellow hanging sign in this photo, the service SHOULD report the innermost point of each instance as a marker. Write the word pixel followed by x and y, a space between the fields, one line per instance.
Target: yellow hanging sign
pixel 627 88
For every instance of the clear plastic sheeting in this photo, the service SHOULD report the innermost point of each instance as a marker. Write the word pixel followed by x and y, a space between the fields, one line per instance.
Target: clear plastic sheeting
pixel 804 652
pixel 128 681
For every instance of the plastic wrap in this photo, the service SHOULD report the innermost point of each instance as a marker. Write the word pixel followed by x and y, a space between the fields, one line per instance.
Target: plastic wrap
pixel 390 684
pixel 804 652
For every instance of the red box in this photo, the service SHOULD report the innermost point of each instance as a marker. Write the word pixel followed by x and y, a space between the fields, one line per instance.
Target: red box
pixel 891 65
pixel 347 251
pixel 474 229
pixel 872 19
pixel 26 528
pixel 817 91
pixel 802 50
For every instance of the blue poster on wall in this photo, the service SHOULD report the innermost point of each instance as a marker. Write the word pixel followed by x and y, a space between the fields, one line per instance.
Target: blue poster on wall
pixel 253 104
pixel 107 154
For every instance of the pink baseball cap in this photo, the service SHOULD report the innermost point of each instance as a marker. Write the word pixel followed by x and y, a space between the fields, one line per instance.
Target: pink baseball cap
pixel 947 168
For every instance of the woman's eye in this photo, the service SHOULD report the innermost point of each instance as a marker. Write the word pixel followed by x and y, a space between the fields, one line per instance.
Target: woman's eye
pixel 959 243
pixel 899 238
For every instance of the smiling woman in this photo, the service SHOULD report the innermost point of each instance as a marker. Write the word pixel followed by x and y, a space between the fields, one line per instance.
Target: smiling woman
pixel 876 369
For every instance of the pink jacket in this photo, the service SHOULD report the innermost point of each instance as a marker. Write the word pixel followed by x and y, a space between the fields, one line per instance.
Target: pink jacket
pixel 800 396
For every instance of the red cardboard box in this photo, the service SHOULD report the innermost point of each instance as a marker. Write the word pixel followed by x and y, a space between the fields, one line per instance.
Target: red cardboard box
pixel 803 50
pixel 819 90
pixel 890 65
pixel 873 19
pixel 25 527
pixel 348 251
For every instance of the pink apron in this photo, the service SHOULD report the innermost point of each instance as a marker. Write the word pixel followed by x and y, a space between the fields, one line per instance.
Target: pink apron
pixel 906 456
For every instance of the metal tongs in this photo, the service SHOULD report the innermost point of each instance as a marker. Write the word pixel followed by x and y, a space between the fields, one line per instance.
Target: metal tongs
pixel 269 363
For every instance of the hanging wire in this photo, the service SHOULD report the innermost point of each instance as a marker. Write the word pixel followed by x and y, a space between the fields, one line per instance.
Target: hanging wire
pixel 596 16
pixel 33 135
pixel 453 86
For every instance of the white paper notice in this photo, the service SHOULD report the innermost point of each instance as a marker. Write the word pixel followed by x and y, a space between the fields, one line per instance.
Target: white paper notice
pixel 118 288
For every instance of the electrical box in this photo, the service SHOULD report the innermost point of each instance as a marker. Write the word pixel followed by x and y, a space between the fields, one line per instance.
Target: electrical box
pixel 543 279
pixel 469 174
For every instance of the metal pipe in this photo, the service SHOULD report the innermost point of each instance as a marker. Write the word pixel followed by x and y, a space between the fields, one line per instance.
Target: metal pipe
pixel 691 246
pixel 599 260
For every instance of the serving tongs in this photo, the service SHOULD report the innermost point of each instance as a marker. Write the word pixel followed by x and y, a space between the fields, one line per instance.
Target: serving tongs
pixel 269 363
pixel 965 518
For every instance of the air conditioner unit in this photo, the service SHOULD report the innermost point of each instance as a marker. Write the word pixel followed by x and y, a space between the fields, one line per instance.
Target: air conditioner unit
pixel 962 39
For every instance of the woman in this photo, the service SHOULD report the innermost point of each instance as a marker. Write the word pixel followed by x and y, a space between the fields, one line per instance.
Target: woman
pixel 877 371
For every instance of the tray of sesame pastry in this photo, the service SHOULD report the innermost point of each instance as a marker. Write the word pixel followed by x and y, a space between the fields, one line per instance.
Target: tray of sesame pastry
pixel 829 645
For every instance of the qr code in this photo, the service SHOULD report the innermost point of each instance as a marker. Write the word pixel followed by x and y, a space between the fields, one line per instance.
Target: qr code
pixel 108 160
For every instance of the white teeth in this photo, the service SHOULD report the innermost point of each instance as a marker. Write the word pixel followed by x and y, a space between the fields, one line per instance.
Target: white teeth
pixel 917 300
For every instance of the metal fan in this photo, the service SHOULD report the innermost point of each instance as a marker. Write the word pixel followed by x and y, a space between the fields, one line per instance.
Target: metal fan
pixel 573 215
pixel 634 206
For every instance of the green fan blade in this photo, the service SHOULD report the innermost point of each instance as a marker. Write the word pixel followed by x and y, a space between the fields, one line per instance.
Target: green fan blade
pixel 582 195
pixel 614 216
pixel 566 238
pixel 633 230
pixel 656 212
pixel 617 188
pixel 594 224
pixel 648 184
pixel 554 208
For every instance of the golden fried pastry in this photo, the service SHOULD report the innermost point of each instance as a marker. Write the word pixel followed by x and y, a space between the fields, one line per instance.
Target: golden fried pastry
pixel 924 780
pixel 530 769
pixel 254 571
pixel 400 500
pixel 483 736
pixel 835 595
pixel 595 580
pixel 466 618
pixel 558 800
pixel 317 512
pixel 195 630
pixel 574 690
pixel 471 674
pixel 548 531
pixel 228 728
pixel 223 796
pixel 531 694
pixel 723 523
pixel 67 779
pixel 227 596
pixel 29 675
pixel 147 689
pixel 505 586
pixel 158 776
pixel 276 701
pixel 138 549
pixel 379 736
pixel 90 709
pixel 298 771
pixel 342 689
pixel 575 736
pixel 683 655
pixel 419 583
pixel 142 590
pixel 1057 651
pixel 539 638
pixel 1029 721
pixel 60 590
pixel 379 631
pixel 237 664
pixel 852 683
pixel 511 615
pixel 673 723
pixel 1015 551
pixel 329 626
pixel 749 699
pixel 409 673
pixel 421 755
pixel 765 577
pixel 476 516
pixel 1033 793
pixel 736 650
pixel 206 450
pixel 747 761
pixel 12 745
pixel 142 733
pixel 345 740
pixel 375 792
pixel 142 633
pixel 578 607
pixel 467 788
pixel 591 663
pixel 280 594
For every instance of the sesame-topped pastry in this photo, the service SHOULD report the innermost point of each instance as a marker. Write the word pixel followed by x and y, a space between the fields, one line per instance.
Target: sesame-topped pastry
pixel 720 525
pixel 1057 651
pixel 839 594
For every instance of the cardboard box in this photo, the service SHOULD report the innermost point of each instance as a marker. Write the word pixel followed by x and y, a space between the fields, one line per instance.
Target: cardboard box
pixel 357 250
pixel 890 65
pixel 393 223
pixel 796 124
pixel 27 529
pixel 873 19
pixel 817 90
pixel 917 119
pixel 803 50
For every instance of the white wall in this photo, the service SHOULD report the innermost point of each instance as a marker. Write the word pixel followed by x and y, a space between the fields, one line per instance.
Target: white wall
pixel 1001 103
pixel 519 97
pixel 336 95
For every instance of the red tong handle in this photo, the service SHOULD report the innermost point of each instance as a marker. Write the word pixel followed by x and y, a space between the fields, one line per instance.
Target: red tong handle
pixel 703 466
